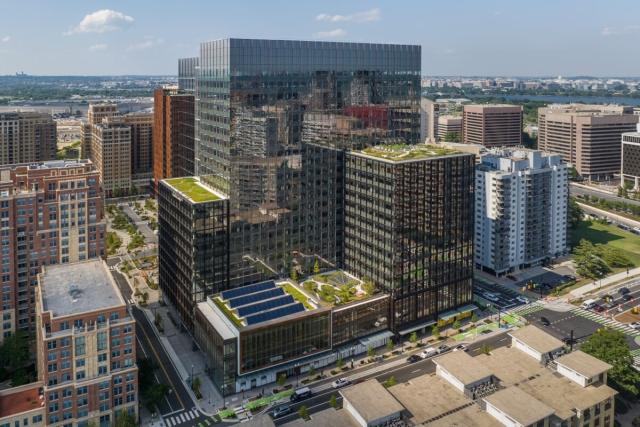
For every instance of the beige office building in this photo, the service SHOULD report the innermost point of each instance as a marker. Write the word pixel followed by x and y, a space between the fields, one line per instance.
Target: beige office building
pixel 27 137
pixel 492 125
pixel 587 136
pixel 111 153
pixel 449 128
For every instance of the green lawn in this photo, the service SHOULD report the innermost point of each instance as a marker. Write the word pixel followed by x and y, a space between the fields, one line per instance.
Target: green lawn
pixel 297 295
pixel 193 189
pixel 611 235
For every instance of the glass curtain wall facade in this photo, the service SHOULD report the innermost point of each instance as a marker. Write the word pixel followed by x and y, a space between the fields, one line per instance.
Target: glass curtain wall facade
pixel 409 227
pixel 266 112
pixel 193 249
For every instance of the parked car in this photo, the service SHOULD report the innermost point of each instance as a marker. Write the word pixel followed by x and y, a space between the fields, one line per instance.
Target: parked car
pixel 428 352
pixel 443 349
pixel 624 227
pixel 490 296
pixel 598 308
pixel 635 325
pixel 624 291
pixel 626 298
pixel 413 358
pixel 545 321
pixel 280 411
pixel 523 300
pixel 340 382
pixel 460 347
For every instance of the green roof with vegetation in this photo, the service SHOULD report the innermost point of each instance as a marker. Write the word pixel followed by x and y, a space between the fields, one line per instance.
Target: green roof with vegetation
pixel 401 152
pixel 193 189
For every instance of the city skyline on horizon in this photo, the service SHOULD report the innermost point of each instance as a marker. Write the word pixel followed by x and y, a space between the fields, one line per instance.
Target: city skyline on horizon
pixel 495 38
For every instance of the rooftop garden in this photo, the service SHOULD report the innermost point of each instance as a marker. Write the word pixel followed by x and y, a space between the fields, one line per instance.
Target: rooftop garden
pixel 297 294
pixel 231 314
pixel 193 189
pixel 400 152
pixel 338 288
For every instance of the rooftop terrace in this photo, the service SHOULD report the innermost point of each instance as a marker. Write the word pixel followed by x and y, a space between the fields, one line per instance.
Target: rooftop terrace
pixel 193 189
pixel 405 152
pixel 78 288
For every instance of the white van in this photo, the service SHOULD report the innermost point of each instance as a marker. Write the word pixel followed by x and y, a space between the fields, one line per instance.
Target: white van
pixel 589 304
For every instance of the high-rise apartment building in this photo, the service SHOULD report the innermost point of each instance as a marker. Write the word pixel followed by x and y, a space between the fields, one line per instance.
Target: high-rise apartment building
pixel 141 146
pixel 95 114
pixel 173 134
pixel 586 136
pixel 492 125
pixel 193 243
pixel 111 153
pixel 50 213
pixel 409 227
pixel 449 128
pixel 521 199
pixel 86 346
pixel 630 172
pixel 27 137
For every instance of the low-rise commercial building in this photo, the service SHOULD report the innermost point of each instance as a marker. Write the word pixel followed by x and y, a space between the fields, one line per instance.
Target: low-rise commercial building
pixel 22 406
pixel 86 349
pixel 521 201
pixel 508 387
pixel 449 128
pixel 254 334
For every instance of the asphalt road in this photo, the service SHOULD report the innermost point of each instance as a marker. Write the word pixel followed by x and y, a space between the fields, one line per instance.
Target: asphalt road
pixel 404 373
pixel 562 323
pixel 506 298
pixel 575 190
pixel 617 299
pixel 178 402
pixel 610 215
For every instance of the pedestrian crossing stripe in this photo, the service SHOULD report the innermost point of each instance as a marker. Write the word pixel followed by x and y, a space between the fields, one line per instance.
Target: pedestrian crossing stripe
pixel 183 417
pixel 526 309
pixel 606 322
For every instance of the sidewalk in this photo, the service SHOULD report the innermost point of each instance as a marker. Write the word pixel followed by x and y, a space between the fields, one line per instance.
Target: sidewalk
pixel 597 285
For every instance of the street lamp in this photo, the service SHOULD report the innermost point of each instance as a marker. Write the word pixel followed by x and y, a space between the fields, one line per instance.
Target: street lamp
pixel 192 366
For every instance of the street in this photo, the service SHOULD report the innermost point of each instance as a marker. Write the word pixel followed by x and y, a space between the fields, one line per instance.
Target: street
pixel 581 190
pixel 322 390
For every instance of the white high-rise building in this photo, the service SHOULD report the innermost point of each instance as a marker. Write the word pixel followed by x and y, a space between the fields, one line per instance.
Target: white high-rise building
pixel 521 209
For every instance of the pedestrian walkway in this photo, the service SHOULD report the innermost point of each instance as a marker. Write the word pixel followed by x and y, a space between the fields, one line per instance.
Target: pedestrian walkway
pixel 595 286
pixel 523 310
pixel 181 418
pixel 610 323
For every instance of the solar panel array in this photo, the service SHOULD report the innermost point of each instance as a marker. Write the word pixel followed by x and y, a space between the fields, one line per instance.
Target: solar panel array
pixel 247 310
pixel 255 297
pixel 275 313
pixel 249 289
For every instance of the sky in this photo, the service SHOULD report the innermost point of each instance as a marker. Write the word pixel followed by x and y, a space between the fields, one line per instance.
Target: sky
pixel 462 37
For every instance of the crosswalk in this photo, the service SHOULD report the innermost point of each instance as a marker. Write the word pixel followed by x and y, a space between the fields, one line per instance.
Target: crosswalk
pixel 523 310
pixel 131 301
pixel 610 323
pixel 636 356
pixel 182 417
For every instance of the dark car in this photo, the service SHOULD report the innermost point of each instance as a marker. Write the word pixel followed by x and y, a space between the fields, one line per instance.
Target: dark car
pixel 598 308
pixel 568 340
pixel 627 297
pixel 443 349
pixel 545 321
pixel 281 410
pixel 512 277
pixel 624 291
pixel 413 358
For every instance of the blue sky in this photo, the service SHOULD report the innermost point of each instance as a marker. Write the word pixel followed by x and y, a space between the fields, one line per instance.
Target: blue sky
pixel 463 37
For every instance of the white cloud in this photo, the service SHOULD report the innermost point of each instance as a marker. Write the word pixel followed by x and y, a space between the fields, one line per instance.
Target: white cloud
pixel 5 39
pixel 98 47
pixel 615 31
pixel 102 21
pixel 366 16
pixel 147 43
pixel 338 32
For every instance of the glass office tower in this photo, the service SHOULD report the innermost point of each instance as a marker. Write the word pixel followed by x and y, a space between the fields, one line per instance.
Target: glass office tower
pixel 274 119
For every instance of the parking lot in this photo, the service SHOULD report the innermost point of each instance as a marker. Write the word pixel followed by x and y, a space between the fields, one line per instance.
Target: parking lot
pixel 498 296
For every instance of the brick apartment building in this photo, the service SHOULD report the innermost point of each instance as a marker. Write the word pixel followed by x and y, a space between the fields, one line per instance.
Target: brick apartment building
pixel 86 350
pixel 27 137
pixel 173 134
pixel 50 213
